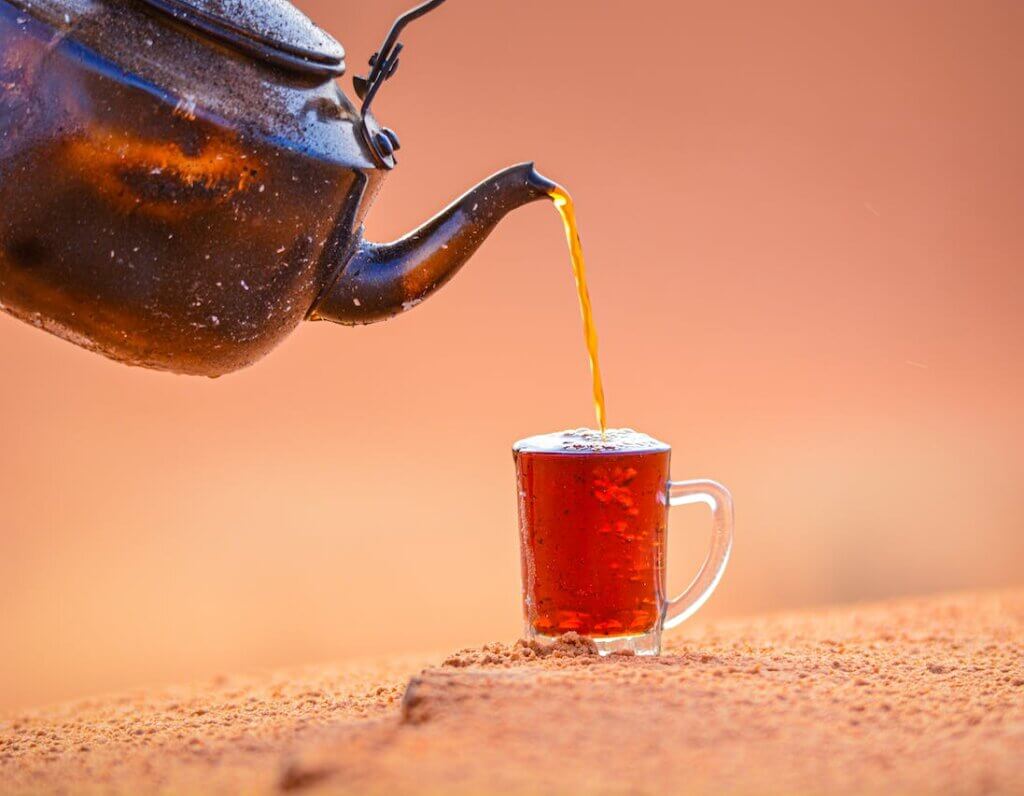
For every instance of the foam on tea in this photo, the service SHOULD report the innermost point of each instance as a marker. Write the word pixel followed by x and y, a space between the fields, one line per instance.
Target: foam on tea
pixel 588 440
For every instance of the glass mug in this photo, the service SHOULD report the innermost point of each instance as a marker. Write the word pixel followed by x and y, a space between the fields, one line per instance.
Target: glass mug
pixel 593 520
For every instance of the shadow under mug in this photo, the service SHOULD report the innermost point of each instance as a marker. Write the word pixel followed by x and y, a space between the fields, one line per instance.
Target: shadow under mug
pixel 593 534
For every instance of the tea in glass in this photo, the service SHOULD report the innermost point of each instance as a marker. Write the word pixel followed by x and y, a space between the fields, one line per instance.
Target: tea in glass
pixel 593 518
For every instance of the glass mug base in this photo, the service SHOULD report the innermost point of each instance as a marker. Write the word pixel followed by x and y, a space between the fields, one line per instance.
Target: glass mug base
pixel 648 643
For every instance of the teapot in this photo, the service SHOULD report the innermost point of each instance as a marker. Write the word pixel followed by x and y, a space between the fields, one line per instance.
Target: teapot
pixel 183 181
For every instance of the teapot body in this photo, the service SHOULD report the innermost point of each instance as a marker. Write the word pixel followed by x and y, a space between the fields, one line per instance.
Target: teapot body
pixel 182 182
pixel 161 208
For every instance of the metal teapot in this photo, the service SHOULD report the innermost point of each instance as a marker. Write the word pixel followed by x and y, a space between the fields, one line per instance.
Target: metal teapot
pixel 182 182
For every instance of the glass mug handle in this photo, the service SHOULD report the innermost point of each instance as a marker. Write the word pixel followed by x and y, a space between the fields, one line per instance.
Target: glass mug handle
pixel 718 499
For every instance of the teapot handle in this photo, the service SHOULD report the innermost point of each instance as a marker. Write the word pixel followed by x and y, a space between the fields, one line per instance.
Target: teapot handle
pixel 384 62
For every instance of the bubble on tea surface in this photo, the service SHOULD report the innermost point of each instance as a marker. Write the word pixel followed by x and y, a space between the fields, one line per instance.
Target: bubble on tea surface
pixel 589 440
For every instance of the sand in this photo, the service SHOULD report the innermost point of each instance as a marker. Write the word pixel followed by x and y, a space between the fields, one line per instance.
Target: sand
pixel 916 696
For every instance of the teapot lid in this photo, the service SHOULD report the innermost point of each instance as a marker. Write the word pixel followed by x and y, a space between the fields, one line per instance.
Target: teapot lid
pixel 272 30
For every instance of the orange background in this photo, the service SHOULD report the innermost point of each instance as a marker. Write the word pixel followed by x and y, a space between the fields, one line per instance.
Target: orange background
pixel 806 247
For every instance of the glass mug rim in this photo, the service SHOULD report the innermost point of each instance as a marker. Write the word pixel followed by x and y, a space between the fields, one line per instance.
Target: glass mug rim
pixel 530 445
pixel 672 611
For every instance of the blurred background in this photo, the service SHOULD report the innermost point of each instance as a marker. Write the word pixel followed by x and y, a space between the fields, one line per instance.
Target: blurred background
pixel 804 231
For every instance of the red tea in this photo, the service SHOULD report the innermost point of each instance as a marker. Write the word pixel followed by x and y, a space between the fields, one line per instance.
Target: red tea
pixel 593 518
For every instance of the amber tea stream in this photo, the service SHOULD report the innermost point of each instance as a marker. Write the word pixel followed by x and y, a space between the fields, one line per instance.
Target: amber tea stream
pixel 566 208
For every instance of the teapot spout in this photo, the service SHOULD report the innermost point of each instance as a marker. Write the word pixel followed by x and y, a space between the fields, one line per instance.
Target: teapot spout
pixel 384 280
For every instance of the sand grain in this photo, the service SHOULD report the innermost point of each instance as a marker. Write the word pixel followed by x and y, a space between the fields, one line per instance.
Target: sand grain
pixel 918 696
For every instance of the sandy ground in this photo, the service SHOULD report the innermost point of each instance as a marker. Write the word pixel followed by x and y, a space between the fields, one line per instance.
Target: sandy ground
pixel 920 696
